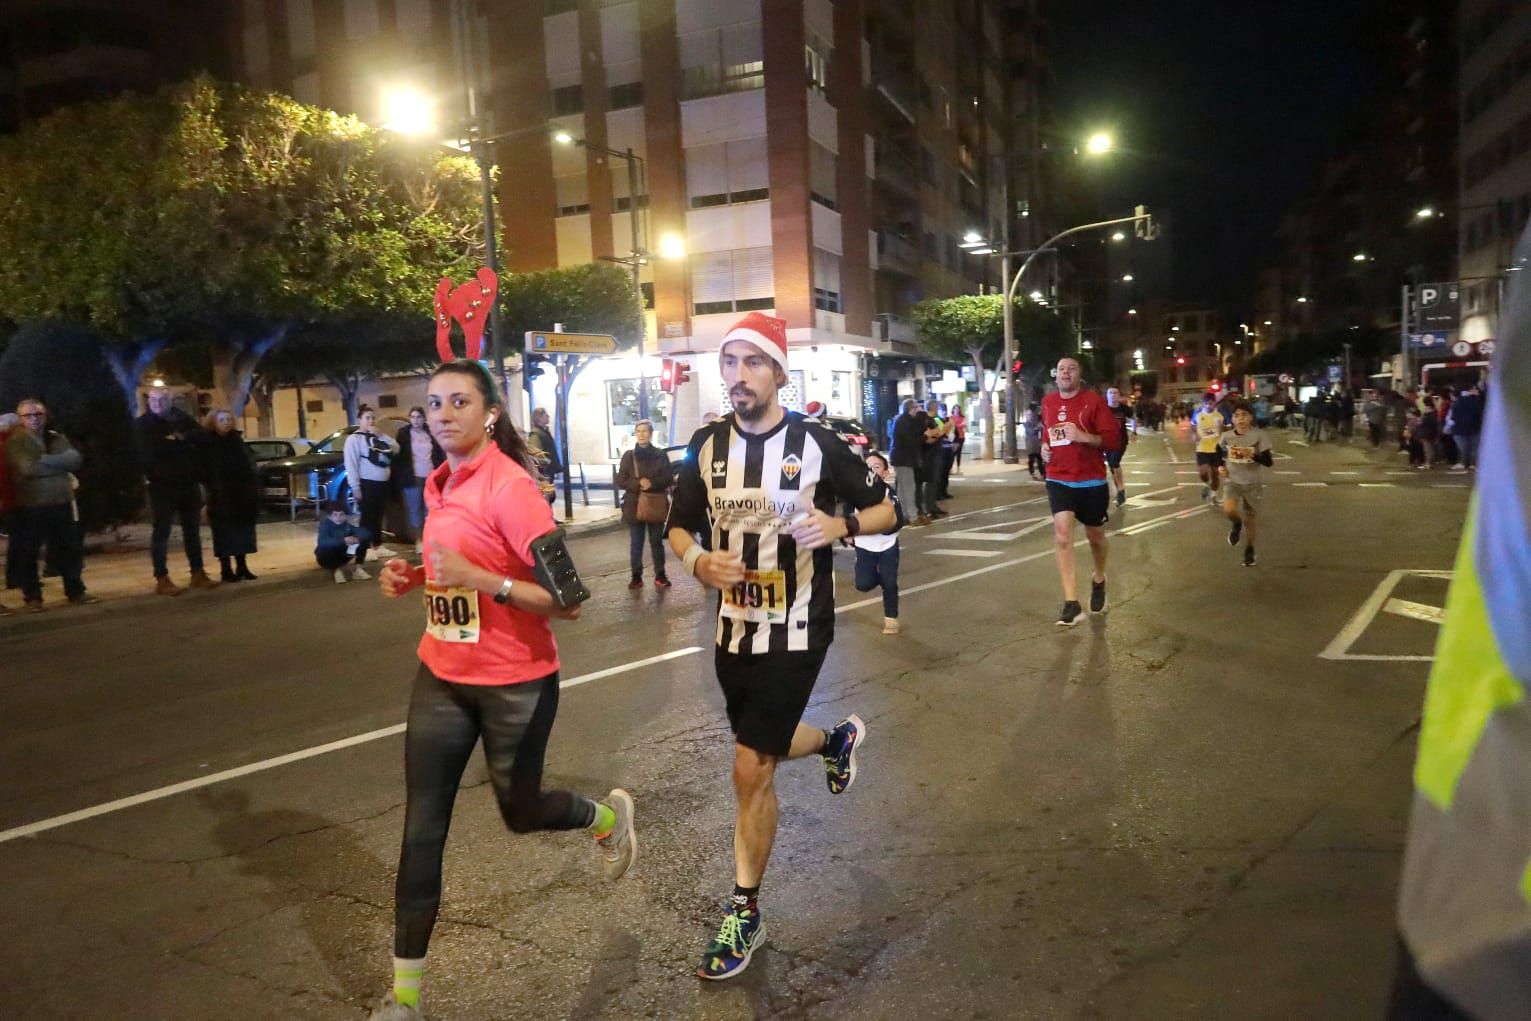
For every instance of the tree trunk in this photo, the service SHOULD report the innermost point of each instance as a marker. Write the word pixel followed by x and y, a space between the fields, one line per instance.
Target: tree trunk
pixel 349 387
pixel 235 362
pixel 129 362
pixel 262 393
pixel 985 406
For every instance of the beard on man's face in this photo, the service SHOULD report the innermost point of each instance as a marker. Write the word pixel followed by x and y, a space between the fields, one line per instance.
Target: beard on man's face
pixel 747 403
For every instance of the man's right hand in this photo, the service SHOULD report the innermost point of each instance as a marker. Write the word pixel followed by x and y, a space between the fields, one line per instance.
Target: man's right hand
pixel 720 569
pixel 1047 455
pixel 398 577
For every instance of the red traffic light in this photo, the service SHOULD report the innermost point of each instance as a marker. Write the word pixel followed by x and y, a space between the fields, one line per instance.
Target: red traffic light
pixel 682 375
pixel 1179 361
pixel 667 376
pixel 1216 385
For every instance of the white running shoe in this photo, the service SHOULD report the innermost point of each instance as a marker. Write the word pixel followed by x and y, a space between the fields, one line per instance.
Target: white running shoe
pixel 359 573
pixel 340 576
pixel 619 848
pixel 389 1010
pixel 384 551
pixel 890 626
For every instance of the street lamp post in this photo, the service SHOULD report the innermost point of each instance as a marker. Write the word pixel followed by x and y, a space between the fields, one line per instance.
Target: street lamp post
pixel 1140 216
pixel 639 254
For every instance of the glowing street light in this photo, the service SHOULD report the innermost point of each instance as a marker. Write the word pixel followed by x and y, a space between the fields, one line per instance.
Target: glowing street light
pixel 1127 278
pixel 1099 143
pixel 1302 300
pixel 408 111
pixel 972 237
pixel 1425 213
pixel 1267 322
pixel 1118 236
pixel 563 138
pixel 1132 311
pixel 1360 257
pixel 672 246
pixel 1036 296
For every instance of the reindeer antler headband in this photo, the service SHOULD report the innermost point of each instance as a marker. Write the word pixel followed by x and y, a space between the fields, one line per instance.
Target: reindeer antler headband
pixel 469 304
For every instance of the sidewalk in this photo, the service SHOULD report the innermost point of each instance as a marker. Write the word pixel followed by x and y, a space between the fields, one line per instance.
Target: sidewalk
pixel 117 563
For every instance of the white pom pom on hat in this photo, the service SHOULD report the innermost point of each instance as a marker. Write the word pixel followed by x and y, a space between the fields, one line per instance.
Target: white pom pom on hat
pixel 768 333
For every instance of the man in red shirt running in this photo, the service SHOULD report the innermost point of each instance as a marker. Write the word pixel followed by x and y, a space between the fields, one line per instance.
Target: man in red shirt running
pixel 1077 426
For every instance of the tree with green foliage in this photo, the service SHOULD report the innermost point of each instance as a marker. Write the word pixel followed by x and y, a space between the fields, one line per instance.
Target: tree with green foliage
pixel 63 366
pixel 973 326
pixel 214 215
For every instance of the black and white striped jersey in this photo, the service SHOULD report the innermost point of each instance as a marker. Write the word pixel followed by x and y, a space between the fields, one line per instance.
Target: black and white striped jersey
pixel 744 490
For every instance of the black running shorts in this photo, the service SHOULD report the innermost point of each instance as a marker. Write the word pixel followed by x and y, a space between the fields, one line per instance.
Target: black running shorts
pixel 1213 459
pixel 1114 458
pixel 1087 503
pixel 766 693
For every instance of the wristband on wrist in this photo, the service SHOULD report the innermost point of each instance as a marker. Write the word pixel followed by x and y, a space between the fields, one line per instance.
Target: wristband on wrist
pixel 689 559
pixel 852 526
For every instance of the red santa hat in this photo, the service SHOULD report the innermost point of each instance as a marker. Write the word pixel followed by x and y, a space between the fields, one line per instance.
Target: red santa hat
pixel 768 333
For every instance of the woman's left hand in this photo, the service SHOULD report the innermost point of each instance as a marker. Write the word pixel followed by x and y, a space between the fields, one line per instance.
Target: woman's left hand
pixel 451 568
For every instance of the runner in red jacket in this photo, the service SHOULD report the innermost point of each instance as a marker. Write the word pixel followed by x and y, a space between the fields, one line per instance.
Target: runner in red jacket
pixel 1077 428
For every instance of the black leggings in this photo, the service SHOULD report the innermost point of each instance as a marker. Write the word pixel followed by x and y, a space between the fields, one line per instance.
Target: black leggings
pixel 445 721
pixel 372 502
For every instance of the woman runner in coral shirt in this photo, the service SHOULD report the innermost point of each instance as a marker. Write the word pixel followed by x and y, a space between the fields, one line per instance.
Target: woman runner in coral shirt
pixel 488 662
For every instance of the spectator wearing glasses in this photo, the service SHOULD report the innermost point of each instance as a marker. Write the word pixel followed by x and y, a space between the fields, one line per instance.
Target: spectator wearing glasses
pixel 41 464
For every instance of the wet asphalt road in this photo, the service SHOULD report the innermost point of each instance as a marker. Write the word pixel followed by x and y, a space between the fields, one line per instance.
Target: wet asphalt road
pixel 1181 809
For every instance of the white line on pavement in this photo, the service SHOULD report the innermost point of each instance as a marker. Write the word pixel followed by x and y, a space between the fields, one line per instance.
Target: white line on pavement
pixel 1310 483
pixel 1449 485
pixel 1378 485
pixel 981 553
pixel 1170 448
pixel 1344 473
pixel 1280 471
pixel 1417 611
pixel 1339 647
pixel 31 829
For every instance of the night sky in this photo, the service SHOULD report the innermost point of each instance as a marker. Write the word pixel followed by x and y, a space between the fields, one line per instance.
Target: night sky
pixel 1224 112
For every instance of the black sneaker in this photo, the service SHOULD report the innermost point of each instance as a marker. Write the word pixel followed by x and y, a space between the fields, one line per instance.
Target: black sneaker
pixel 1249 556
pixel 1234 533
pixel 1097 597
pixel 1069 615
pixel 1121 497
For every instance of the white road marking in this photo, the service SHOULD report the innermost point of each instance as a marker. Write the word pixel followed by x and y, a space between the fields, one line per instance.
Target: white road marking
pixel 1170 448
pixel 159 793
pixel 1184 471
pixel 1310 483
pixel 1399 473
pixel 1286 471
pixel 963 552
pixel 1344 473
pixel 1378 485
pixel 1417 611
pixel 1339 647
pixel 1449 485
pixel 1298 443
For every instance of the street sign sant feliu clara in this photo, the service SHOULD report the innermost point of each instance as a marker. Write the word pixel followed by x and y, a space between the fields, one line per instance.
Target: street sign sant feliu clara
pixel 546 342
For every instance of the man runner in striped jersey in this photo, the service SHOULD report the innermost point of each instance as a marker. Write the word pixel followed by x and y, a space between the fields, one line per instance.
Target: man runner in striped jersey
pixel 765 484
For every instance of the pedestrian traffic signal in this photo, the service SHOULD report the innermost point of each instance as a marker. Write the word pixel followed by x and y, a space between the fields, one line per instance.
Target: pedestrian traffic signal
pixel 682 374
pixel 667 376
pixel 532 365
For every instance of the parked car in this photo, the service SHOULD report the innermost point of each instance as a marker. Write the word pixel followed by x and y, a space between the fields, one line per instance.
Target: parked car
pixel 277 448
pixel 319 474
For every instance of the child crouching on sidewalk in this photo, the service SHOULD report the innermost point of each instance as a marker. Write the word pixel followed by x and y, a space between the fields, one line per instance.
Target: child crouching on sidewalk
pixel 877 555
pixel 339 539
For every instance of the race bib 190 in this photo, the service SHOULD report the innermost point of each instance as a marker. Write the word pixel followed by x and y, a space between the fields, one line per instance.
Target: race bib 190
pixel 761 598
pixel 451 614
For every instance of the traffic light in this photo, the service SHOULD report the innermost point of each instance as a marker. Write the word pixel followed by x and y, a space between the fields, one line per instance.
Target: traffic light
pixel 667 376
pixel 1216 386
pixel 1180 361
pixel 682 375
pixel 532 366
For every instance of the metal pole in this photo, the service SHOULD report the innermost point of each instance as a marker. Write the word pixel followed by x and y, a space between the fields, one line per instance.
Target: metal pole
pixel 1009 313
pixel 1403 340
pixel 632 212
pixel 492 260
pixel 563 434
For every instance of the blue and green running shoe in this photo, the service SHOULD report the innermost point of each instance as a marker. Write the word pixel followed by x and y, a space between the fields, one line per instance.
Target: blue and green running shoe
pixel 840 753
pixel 730 951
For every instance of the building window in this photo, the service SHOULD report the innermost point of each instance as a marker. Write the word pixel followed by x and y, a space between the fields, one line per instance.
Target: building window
pixel 742 280
pixel 822 187
pixel 624 96
pixel 388 400
pixel 826 301
pixel 568 100
pixel 1192 323
pixel 313 407
pixel 816 64
pixel 727 172
pixel 715 80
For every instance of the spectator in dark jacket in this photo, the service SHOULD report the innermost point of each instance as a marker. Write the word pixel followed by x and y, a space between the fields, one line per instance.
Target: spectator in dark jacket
pixel 41 464
pixel 167 448
pixel 419 455
pixel 233 494
pixel 340 540
pixel 644 469
pixel 1467 425
pixel 908 457
pixel 545 449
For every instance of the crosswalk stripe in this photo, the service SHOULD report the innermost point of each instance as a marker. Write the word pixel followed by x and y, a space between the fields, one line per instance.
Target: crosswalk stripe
pixel 963 553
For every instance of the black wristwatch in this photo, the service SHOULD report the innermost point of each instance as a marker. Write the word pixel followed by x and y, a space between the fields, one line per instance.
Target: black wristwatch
pixel 852 526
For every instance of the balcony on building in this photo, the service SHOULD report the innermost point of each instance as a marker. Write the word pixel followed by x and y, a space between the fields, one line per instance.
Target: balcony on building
pixel 897 254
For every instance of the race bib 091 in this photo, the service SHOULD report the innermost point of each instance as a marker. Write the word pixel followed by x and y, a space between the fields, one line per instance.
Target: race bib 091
pixel 451 614
pixel 761 598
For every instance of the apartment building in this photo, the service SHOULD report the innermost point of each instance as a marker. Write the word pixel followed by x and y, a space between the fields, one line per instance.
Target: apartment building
pixel 819 160
pixel 1494 202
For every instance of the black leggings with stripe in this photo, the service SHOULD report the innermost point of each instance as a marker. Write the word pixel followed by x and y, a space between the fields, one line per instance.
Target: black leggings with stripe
pixel 445 721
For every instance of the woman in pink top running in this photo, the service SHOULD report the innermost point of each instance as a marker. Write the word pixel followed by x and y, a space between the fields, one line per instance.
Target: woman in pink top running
pixel 488 662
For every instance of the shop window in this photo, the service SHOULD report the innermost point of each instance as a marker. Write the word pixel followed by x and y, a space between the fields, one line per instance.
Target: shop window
pixel 622 402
